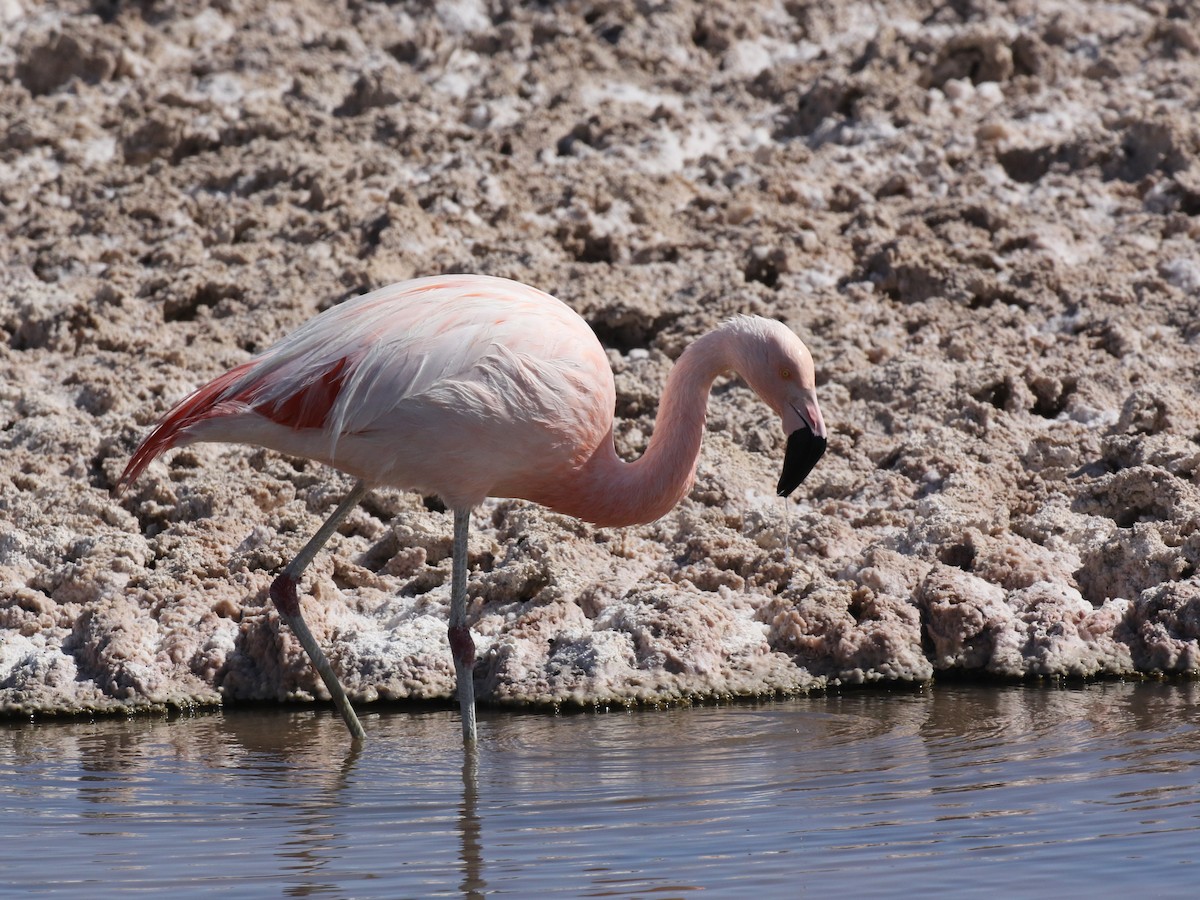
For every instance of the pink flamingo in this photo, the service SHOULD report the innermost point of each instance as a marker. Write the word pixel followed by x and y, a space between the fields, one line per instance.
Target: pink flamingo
pixel 467 387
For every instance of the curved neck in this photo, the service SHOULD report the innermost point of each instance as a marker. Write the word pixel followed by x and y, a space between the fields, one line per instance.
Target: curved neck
pixel 608 491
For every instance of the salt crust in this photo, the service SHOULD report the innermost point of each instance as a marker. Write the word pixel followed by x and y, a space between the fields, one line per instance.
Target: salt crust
pixel 981 216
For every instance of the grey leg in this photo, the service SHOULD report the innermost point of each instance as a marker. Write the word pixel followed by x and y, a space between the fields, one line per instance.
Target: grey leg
pixel 462 647
pixel 284 594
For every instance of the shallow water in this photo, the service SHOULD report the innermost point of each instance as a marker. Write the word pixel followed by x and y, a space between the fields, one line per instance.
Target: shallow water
pixel 965 790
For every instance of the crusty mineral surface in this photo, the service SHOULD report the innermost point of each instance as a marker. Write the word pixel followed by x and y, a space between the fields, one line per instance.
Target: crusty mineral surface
pixel 982 216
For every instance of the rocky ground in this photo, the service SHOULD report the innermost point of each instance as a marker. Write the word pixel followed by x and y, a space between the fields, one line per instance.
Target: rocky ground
pixel 982 217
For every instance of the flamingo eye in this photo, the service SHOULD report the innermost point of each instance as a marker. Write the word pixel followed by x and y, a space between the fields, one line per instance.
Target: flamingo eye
pixel 785 373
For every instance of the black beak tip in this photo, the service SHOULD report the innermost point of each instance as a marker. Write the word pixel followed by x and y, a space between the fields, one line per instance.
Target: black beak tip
pixel 803 450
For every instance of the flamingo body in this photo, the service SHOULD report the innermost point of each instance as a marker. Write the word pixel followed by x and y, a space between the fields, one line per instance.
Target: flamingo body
pixel 464 387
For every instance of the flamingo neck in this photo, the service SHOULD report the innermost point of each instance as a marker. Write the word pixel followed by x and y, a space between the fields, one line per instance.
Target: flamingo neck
pixel 609 491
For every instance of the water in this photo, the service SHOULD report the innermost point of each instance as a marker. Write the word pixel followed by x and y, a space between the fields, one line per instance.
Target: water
pixel 966 791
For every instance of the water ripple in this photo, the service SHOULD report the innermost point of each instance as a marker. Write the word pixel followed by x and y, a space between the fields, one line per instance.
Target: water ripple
pixel 960 789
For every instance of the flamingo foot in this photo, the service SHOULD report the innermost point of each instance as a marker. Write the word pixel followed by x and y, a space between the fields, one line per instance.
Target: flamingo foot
pixel 462 647
pixel 286 598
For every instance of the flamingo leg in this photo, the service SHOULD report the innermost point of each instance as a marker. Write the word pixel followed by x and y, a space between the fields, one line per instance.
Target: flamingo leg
pixel 462 647
pixel 284 594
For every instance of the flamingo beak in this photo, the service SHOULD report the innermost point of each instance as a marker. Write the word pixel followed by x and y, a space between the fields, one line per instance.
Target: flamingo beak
pixel 805 428
pixel 804 448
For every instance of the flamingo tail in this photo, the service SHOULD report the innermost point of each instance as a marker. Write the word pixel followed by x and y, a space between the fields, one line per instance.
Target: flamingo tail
pixel 196 407
pixel 298 399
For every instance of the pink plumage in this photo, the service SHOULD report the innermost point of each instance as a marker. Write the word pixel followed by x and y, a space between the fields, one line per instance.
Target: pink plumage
pixel 460 386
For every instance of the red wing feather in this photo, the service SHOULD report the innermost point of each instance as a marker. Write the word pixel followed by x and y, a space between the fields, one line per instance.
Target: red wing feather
pixel 307 408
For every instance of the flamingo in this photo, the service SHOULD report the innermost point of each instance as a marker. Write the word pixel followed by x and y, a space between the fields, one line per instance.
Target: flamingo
pixel 467 387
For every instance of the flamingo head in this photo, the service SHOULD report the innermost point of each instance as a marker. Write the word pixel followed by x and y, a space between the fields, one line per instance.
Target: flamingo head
pixel 777 365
